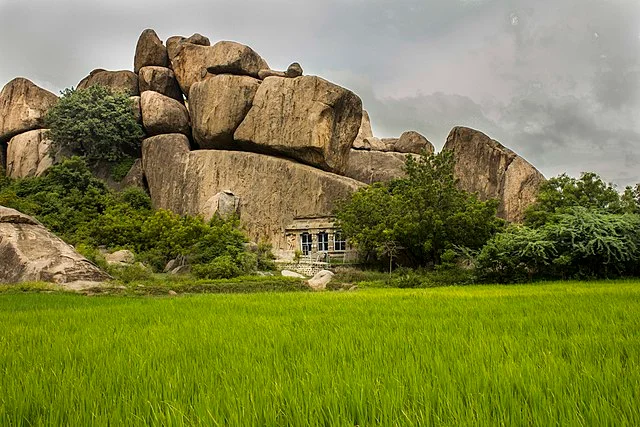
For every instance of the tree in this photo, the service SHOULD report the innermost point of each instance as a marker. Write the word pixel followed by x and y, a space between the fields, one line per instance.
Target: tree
pixel 423 214
pixel 561 193
pixel 96 123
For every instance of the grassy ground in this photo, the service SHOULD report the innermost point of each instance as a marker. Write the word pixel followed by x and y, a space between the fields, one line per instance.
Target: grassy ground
pixel 552 354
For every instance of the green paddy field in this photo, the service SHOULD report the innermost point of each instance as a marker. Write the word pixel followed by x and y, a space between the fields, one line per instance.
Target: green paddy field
pixel 551 354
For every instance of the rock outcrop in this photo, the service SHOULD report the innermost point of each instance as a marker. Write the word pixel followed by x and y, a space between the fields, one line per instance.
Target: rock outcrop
pixel 272 191
pixel 224 57
pixel 375 166
pixel 29 252
pixel 23 106
pixel 307 118
pixel 224 204
pixel 150 51
pixel 363 133
pixel 486 167
pixel 123 81
pixel 174 43
pixel 161 114
pixel 413 142
pixel 294 70
pixel 218 105
pixel 29 154
pixel 161 80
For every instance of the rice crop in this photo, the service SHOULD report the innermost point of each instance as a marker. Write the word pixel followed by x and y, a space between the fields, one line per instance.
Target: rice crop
pixel 548 354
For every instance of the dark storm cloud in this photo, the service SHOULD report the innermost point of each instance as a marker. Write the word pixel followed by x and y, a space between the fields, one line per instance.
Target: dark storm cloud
pixel 558 81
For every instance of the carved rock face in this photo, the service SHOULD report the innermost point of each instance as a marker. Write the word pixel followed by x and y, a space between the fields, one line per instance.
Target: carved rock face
pixel 29 252
pixel 307 118
pixel 486 167
pixel 272 191
pixel 23 106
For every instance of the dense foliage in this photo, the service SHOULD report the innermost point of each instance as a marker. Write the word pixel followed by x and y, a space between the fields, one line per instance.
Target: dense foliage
pixel 578 228
pixel 94 122
pixel 72 203
pixel 417 219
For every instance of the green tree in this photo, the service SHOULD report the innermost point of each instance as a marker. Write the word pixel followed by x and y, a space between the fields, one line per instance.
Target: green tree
pixel 96 123
pixel 561 193
pixel 424 214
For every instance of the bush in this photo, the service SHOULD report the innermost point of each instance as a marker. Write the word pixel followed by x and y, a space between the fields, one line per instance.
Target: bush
pixel 130 273
pixel 96 123
pixel 222 267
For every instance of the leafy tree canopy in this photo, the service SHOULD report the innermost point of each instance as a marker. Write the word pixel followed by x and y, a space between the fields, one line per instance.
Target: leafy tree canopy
pixel 419 217
pixel 559 194
pixel 96 123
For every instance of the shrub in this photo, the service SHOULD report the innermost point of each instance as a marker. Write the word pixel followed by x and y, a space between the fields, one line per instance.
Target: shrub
pixel 94 122
pixel 222 267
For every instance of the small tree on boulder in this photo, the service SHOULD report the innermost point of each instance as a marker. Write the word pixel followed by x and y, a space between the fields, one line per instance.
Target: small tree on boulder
pixel 94 122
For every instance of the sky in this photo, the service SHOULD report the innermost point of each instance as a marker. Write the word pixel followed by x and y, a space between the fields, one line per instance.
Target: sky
pixel 557 81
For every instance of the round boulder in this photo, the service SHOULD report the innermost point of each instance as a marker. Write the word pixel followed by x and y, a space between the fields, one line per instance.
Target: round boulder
pixel 150 51
pixel 161 114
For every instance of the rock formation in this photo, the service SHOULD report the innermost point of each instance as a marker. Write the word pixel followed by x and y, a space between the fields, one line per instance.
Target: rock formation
pixel 150 51
pixel 159 79
pixel 294 70
pixel 363 133
pixel 29 154
pixel 218 105
pixel 161 114
pixel 307 118
pixel 29 252
pixel 272 191
pixel 375 166
pixel 23 106
pixel 224 204
pixel 224 57
pixel 413 142
pixel 486 167
pixel 122 81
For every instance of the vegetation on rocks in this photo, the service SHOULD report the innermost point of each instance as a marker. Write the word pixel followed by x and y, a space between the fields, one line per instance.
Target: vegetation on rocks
pixel 95 122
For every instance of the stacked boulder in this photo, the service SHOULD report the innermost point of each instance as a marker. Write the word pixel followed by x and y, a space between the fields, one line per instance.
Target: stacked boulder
pixel 24 149
pixel 374 160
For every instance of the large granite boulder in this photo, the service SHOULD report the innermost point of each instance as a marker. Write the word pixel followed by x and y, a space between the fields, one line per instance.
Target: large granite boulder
pixel 224 204
pixel 363 133
pixel 174 43
pixel 122 81
pixel 159 79
pixel 161 114
pixel 23 106
pixel 30 154
pixel 218 105
pixel 272 191
pixel 413 142
pixel 307 118
pixel 486 167
pixel 29 252
pixel 225 57
pixel 376 166
pixel 150 51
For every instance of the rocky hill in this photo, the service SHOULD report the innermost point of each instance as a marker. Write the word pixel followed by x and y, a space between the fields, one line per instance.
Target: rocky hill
pixel 282 145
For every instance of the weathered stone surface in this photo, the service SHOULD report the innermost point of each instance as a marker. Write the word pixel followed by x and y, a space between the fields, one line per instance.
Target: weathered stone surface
pixel 375 166
pixel 289 273
pixel 218 105
pixel 413 142
pixel 174 43
pixel 307 118
pixel 222 58
pixel 161 114
pixel 377 144
pixel 120 257
pixel 161 80
pixel 29 252
pixel 225 204
pixel 122 81
pixel 23 106
pixel 29 154
pixel 273 191
pixel 135 176
pixel 486 167
pixel 363 133
pixel 150 51
pixel 135 107
pixel 3 158
pixel 320 281
pixel 294 70
pixel 263 74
